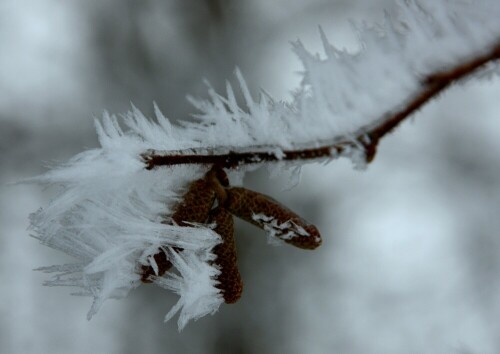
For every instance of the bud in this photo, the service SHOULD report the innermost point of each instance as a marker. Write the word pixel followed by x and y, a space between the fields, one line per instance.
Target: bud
pixel 229 279
pixel 271 216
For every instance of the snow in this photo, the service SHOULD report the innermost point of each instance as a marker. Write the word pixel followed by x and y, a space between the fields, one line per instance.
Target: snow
pixel 284 231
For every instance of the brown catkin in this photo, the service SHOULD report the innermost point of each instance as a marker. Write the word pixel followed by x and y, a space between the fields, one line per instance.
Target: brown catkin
pixel 229 279
pixel 245 204
pixel 194 208
pixel 196 203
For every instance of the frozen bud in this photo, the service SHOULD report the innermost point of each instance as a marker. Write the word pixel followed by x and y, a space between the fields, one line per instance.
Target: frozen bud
pixel 229 279
pixel 193 208
pixel 271 216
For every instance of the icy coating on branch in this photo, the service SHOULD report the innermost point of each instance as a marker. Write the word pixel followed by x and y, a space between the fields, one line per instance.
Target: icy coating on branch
pixel 109 212
pixel 340 91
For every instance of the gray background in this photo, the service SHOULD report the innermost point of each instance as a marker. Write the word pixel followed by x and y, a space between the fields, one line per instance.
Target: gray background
pixel 410 259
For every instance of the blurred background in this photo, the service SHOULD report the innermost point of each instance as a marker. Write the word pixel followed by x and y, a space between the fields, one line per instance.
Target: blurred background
pixel 410 260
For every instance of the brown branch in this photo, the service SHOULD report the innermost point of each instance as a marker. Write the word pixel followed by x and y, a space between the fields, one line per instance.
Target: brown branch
pixel 366 137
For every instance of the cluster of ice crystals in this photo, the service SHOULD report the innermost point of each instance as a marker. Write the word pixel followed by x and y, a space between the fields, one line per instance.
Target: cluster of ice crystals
pixel 284 231
pixel 109 210
pixel 342 91
pixel 112 225
pixel 199 295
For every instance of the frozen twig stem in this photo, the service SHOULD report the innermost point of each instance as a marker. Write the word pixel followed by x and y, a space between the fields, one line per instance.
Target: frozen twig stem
pixel 367 136
pixel 126 221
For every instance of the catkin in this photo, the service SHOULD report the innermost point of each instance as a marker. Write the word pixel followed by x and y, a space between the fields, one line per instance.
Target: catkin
pixel 194 208
pixel 196 204
pixel 270 215
pixel 229 279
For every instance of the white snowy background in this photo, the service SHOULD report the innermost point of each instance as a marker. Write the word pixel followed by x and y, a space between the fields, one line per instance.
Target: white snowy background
pixel 409 261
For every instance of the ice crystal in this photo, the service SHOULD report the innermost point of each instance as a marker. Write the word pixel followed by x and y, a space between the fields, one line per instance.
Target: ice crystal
pixel 110 213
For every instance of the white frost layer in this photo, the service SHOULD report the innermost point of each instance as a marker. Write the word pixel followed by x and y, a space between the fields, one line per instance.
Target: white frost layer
pixel 287 230
pixel 109 210
pixel 340 91
pixel 199 296
pixel 110 222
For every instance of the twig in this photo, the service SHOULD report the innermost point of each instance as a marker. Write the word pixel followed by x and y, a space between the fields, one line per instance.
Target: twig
pixel 367 137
